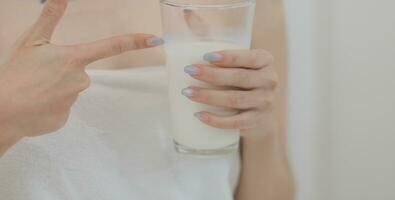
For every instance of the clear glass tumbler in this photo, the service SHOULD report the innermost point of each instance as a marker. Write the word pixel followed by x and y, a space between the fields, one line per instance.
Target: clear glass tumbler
pixel 191 29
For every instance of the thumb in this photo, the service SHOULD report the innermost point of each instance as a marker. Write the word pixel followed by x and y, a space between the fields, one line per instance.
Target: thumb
pixel 196 23
pixel 45 26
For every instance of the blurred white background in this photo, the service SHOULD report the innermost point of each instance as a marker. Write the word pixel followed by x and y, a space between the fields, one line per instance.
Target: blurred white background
pixel 342 98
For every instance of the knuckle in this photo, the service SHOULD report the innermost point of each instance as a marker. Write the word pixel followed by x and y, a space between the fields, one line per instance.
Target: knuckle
pixel 260 98
pixel 253 122
pixel 77 61
pixel 236 100
pixel 235 124
pixel 216 122
pixel 234 58
pixel 247 121
pixel 254 59
pixel 118 46
pixel 51 11
pixel 242 78
pixel 238 123
pixel 260 52
pixel 213 122
pixel 138 40
pixel 204 96
pixel 273 84
pixel 263 57
pixel 74 58
pixel 268 80
pixel 267 104
pixel 211 75
pixel 270 58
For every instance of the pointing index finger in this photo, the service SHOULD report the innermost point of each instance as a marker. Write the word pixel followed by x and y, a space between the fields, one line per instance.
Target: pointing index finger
pixel 105 48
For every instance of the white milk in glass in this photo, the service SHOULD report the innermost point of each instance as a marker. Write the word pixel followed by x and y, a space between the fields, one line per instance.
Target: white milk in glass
pixel 187 130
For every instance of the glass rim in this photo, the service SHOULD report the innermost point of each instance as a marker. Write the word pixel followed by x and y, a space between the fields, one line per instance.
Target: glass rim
pixel 235 4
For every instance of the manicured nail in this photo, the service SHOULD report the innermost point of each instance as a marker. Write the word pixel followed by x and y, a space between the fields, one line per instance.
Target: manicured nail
pixel 155 41
pixel 212 57
pixel 191 70
pixel 201 116
pixel 188 92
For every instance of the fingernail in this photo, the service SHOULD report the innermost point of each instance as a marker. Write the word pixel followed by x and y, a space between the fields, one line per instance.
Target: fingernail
pixel 191 70
pixel 212 57
pixel 188 92
pixel 155 41
pixel 201 116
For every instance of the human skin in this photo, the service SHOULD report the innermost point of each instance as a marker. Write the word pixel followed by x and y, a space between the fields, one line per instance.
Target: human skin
pixel 265 171
pixel 40 81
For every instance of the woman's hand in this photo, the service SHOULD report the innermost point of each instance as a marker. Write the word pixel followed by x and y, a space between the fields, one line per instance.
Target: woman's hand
pixel 40 81
pixel 251 75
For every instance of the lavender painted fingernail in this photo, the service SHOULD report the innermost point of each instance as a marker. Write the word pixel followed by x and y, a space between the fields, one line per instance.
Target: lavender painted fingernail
pixel 200 116
pixel 212 57
pixel 191 70
pixel 155 41
pixel 188 92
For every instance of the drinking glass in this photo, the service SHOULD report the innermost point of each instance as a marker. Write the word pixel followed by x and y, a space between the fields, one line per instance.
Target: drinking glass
pixel 191 29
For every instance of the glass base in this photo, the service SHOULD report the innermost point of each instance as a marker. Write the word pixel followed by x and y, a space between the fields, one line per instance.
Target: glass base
pixel 206 152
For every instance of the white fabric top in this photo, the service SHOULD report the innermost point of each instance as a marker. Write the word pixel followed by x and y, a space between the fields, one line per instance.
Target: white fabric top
pixel 116 145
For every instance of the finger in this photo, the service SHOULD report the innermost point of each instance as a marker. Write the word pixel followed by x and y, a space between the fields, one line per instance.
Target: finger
pixel 253 59
pixel 229 98
pixel 236 77
pixel 244 120
pixel 50 16
pixel 94 51
pixel 195 23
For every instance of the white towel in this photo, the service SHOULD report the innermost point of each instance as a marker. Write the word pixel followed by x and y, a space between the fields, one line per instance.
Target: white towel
pixel 116 145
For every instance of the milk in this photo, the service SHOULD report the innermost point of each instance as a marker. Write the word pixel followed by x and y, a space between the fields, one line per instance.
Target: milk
pixel 187 130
